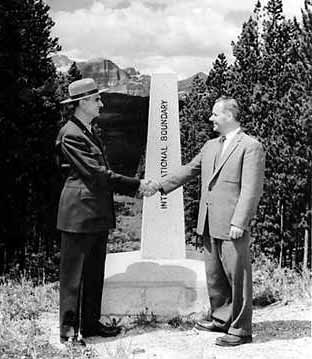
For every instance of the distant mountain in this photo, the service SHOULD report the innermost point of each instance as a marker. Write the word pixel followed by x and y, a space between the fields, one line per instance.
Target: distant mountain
pixel 105 72
pixel 185 86
pixel 109 75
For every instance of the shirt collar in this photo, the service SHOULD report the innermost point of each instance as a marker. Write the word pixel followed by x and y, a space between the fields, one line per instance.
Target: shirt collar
pixel 86 125
pixel 231 134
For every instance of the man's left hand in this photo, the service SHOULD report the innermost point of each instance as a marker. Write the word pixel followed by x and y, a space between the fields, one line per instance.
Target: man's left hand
pixel 236 232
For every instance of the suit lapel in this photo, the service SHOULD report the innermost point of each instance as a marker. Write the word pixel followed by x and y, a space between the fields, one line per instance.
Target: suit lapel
pixel 214 154
pixel 92 137
pixel 84 130
pixel 226 155
pixel 102 148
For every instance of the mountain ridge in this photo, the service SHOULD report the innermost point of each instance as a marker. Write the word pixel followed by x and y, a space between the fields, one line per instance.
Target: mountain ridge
pixel 109 75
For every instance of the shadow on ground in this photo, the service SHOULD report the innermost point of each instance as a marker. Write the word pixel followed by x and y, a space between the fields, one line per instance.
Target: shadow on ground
pixel 281 329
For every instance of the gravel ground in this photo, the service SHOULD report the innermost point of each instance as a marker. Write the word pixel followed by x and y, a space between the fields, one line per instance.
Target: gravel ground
pixel 280 331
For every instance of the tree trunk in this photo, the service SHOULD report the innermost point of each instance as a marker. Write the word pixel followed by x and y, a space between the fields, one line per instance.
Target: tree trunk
pixel 305 249
pixel 308 229
pixel 293 258
pixel 281 209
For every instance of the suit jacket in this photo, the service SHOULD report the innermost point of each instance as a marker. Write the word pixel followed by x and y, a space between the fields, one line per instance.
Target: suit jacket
pixel 229 193
pixel 86 202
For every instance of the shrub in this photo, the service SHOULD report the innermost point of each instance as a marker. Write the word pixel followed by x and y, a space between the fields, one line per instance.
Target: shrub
pixel 21 335
pixel 272 283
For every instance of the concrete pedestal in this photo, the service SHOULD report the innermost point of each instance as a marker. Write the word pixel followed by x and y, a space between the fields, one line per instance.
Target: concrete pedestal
pixel 165 287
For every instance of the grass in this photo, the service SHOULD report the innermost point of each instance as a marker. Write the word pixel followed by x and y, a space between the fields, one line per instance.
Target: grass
pixel 183 322
pixel 21 335
pixel 273 284
pixel 22 303
pixel 145 319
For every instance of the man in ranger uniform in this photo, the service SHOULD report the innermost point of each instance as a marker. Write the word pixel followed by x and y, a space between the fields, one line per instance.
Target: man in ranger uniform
pixel 85 214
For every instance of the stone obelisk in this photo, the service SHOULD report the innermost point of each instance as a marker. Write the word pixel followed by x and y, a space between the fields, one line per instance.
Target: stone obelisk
pixel 158 277
pixel 163 215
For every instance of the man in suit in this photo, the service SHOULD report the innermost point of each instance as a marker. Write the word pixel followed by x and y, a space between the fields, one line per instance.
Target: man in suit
pixel 232 173
pixel 85 215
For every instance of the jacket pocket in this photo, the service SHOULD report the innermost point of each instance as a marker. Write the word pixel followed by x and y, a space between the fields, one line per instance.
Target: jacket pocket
pixel 231 179
pixel 86 194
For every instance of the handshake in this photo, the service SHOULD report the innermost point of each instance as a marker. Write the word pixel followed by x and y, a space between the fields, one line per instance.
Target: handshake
pixel 149 187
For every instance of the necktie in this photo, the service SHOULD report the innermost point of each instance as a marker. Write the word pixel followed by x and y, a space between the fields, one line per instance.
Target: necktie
pixel 219 152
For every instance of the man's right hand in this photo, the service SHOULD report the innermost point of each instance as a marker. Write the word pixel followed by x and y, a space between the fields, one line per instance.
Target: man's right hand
pixel 149 187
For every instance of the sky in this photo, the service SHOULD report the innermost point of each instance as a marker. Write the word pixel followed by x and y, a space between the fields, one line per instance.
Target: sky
pixel 181 36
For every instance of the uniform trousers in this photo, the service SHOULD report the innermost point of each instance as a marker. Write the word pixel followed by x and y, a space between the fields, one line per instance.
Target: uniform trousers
pixel 82 269
pixel 229 283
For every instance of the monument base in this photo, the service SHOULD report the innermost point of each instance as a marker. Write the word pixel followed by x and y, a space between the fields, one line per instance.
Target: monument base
pixel 165 287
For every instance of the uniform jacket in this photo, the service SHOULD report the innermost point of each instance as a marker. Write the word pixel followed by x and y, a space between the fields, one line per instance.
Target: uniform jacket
pixel 86 202
pixel 229 193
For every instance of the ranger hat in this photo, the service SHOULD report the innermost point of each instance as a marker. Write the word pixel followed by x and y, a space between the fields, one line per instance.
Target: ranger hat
pixel 82 89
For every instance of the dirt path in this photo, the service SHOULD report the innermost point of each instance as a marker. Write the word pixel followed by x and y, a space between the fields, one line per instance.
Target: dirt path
pixel 280 332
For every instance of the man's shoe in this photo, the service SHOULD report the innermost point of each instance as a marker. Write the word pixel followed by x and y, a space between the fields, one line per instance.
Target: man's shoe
pixel 100 330
pixel 73 341
pixel 230 340
pixel 208 326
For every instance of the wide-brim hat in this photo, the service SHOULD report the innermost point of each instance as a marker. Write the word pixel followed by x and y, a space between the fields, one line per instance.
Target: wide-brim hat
pixel 81 89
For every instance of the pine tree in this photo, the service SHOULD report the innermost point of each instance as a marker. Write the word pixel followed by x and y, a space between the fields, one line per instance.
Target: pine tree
pixel 74 73
pixel 218 79
pixel 271 79
pixel 267 76
pixel 306 118
pixel 62 82
pixel 288 162
pixel 195 131
pixel 246 75
pixel 275 11
pixel 306 45
pixel 29 117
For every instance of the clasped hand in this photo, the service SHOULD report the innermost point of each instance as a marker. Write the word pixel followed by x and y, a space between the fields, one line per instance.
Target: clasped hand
pixel 148 187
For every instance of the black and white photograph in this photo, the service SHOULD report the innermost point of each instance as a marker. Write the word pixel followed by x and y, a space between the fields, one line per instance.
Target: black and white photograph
pixel 156 162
